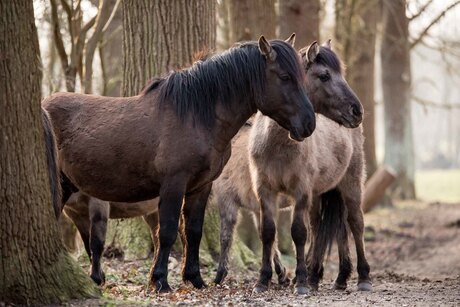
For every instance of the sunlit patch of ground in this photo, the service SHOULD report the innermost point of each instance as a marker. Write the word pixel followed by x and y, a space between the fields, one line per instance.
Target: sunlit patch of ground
pixel 413 250
pixel 438 185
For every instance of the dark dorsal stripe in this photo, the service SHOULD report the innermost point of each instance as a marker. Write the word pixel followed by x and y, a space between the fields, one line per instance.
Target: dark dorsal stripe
pixel 226 77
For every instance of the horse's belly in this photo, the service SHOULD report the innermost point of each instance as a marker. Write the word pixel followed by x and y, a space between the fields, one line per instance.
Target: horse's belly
pixel 128 210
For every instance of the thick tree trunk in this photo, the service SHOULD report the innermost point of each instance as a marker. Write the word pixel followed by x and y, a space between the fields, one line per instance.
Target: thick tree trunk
pixel 159 36
pixel 301 17
pixel 34 265
pixel 355 31
pixel 396 77
pixel 248 20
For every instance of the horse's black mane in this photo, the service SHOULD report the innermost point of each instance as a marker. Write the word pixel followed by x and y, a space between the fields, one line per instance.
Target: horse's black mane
pixel 328 58
pixel 236 74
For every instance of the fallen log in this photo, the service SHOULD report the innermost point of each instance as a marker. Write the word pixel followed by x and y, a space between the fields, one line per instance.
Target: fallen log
pixel 376 185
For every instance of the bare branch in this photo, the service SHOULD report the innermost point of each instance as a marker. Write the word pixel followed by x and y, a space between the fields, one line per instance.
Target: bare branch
pixel 58 37
pixel 66 7
pixel 103 15
pixel 429 103
pixel 114 11
pixel 432 23
pixel 421 11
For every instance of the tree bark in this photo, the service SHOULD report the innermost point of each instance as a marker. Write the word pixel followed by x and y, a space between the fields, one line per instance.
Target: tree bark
pixel 248 20
pixel 396 78
pixel 159 36
pixel 293 18
pixel 376 186
pixel 34 266
pixel 355 30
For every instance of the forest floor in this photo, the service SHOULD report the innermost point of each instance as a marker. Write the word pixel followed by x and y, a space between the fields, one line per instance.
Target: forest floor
pixel 413 250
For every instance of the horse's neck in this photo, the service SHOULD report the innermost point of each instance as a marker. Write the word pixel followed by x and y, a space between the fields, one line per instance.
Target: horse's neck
pixel 273 132
pixel 229 120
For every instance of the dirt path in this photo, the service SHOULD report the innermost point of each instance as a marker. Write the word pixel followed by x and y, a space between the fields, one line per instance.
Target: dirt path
pixel 413 250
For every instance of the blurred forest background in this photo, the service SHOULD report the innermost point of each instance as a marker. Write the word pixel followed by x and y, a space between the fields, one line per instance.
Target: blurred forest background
pixel 402 58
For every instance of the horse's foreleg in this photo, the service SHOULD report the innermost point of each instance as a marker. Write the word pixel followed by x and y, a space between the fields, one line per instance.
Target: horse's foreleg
pixel 356 222
pixel 98 213
pixel 171 197
pixel 193 214
pixel 268 234
pixel 299 236
pixel 228 212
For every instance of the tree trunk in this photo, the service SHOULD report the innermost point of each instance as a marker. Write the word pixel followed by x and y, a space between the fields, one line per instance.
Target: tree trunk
pixel 396 78
pixel 355 31
pixel 248 20
pixel 159 36
pixel 292 18
pixel 34 265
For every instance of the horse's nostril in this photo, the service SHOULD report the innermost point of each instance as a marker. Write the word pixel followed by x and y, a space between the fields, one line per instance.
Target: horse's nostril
pixel 356 110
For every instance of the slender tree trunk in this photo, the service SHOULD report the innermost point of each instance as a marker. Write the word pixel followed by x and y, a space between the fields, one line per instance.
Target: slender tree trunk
pixel 356 27
pixel 159 36
pixel 396 77
pixel 34 266
pixel 248 20
pixel 301 17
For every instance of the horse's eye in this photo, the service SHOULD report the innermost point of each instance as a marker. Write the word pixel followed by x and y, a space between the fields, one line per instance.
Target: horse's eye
pixel 324 77
pixel 285 77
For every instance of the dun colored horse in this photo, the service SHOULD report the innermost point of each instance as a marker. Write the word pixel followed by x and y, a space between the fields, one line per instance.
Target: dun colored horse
pixel 173 139
pixel 324 172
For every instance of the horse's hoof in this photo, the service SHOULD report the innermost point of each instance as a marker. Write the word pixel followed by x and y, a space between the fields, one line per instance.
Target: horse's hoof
pixel 99 279
pixel 196 281
pixel 220 276
pixel 301 290
pixel 284 281
pixel 162 287
pixel 340 287
pixel 365 286
pixel 259 288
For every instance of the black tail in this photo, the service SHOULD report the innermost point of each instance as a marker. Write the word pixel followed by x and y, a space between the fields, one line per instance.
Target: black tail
pixel 332 223
pixel 51 159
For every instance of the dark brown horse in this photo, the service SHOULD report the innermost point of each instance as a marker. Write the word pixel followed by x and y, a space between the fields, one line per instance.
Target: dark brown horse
pixel 173 139
pixel 324 176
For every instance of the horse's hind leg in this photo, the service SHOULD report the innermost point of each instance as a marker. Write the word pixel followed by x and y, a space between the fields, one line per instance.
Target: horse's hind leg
pixel 98 213
pixel 154 225
pixel 228 212
pixel 81 221
pixel 345 266
pixel 193 214
pixel 356 223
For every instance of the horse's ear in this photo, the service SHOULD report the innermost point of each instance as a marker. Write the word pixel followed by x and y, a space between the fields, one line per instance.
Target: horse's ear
pixel 266 49
pixel 327 44
pixel 312 52
pixel 291 40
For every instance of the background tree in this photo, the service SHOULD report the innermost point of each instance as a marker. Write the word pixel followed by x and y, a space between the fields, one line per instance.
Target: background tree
pixel 158 36
pixel 396 78
pixel 34 266
pixel 301 17
pixel 355 30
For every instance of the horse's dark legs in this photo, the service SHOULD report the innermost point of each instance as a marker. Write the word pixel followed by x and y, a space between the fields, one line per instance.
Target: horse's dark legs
pixel 154 223
pixel 345 266
pixel 268 233
pixel 228 217
pixel 356 222
pixel 299 236
pixel 315 254
pixel 67 188
pixel 193 213
pixel 81 221
pixel 98 213
pixel 171 197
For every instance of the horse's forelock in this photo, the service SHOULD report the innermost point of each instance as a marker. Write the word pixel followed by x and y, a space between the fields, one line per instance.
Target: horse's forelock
pixel 288 59
pixel 329 58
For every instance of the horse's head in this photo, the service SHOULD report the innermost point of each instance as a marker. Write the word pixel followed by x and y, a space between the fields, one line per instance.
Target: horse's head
pixel 329 92
pixel 285 99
